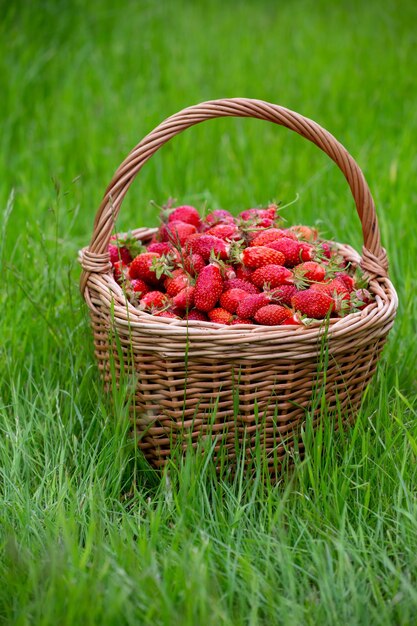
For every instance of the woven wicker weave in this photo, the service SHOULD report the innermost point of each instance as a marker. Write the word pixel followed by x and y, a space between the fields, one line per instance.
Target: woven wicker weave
pixel 241 382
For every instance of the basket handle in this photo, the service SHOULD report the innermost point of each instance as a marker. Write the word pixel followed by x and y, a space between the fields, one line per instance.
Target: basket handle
pixel 96 258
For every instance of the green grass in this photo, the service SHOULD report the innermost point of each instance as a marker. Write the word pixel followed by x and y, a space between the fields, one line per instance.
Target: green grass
pixel 336 541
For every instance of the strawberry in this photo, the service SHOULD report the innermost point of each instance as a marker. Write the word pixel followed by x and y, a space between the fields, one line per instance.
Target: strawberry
pixel 196 315
pixel 310 271
pixel 269 213
pixel 166 314
pixel 339 292
pixel 333 288
pixel 239 283
pixel 262 223
pixel 228 232
pixel 193 264
pixel 267 236
pixel 176 232
pixel 248 307
pixel 118 253
pixel 273 275
pixel 272 315
pixel 176 282
pixel 218 216
pixel 161 247
pixel 286 232
pixel 167 250
pixel 205 245
pixel 283 294
pixel 259 256
pixel 348 281
pixel 239 320
pixel 139 286
pixel 124 248
pixel 141 267
pixel 314 304
pixel 208 288
pixel 220 316
pixel 154 300
pixel 186 214
pixel 305 232
pixel 293 251
pixel 120 271
pixel 294 320
pixel 243 273
pixel 307 251
pixel 231 298
pixel 328 250
pixel 185 298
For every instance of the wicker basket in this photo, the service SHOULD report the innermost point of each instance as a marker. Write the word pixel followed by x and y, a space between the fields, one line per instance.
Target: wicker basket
pixel 251 383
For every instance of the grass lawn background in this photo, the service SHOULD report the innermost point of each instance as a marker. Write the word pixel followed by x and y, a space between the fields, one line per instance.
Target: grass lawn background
pixel 82 82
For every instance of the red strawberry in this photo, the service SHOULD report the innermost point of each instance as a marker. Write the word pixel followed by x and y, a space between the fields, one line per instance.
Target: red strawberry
pixel 272 315
pixel 267 236
pixel 333 288
pixel 347 280
pixel 286 232
pixel 193 264
pixel 259 256
pixel 118 253
pixel 231 298
pixel 225 231
pixel 239 320
pixel 239 283
pixel 314 304
pixel 185 298
pixel 328 249
pixel 141 267
pixel 123 247
pixel 244 273
pixel 339 292
pixel 206 244
pixel 139 286
pixel 294 320
pixel 166 314
pixel 196 315
pixel 248 307
pixel 293 251
pixel 154 300
pixel 261 223
pixel 187 214
pixel 273 275
pixel 323 287
pixel 307 251
pixel 176 282
pixel 176 232
pixel 305 232
pixel 283 294
pixel 220 316
pixel 219 216
pixel 161 247
pixel 120 271
pixel 208 288
pixel 269 213
pixel 310 271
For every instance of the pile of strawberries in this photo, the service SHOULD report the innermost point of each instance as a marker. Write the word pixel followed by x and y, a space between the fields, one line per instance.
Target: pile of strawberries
pixel 237 270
